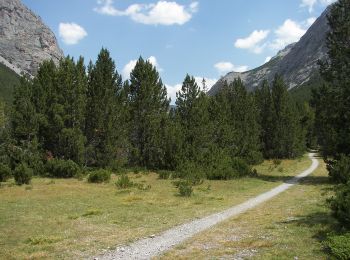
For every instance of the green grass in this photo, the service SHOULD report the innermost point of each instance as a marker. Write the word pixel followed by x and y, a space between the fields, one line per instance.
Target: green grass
pixel 290 226
pixel 73 219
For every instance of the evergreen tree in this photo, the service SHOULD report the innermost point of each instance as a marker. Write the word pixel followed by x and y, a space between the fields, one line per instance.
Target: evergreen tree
pixel 149 107
pixel 104 86
pixel 193 116
pixel 245 124
pixel 332 101
pixel 266 118
pixel 288 139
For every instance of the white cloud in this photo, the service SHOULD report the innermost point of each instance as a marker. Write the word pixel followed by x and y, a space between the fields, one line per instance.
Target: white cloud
pixel 132 63
pixel 173 89
pixel 289 32
pixel 309 21
pixel 268 58
pixel 71 33
pixel 160 13
pixel 252 41
pixel 224 67
pixel 310 4
pixel 208 82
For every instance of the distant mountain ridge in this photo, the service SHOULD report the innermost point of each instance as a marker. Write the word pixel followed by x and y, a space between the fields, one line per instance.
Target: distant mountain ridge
pixel 25 41
pixel 296 63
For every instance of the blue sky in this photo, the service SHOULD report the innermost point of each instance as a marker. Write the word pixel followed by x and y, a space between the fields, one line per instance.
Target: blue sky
pixel 204 38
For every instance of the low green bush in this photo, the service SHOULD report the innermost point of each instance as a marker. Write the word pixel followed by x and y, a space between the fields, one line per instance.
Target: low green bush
pixel 164 175
pixel 338 246
pixel 339 170
pixel 192 172
pixel 99 176
pixel 23 174
pixel 185 189
pixel 5 172
pixel 62 169
pixel 124 182
pixel 340 204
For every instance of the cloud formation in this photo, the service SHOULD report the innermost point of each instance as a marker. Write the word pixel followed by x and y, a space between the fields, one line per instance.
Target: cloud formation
pixel 252 42
pixel 224 67
pixel 310 4
pixel 173 89
pixel 160 13
pixel 132 63
pixel 289 32
pixel 71 33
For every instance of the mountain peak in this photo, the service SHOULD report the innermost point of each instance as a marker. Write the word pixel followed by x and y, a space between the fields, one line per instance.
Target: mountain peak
pixel 25 41
pixel 296 63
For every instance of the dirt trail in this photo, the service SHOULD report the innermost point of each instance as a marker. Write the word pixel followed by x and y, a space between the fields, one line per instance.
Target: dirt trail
pixel 149 247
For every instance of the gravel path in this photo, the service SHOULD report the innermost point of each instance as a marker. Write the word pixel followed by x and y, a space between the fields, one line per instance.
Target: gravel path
pixel 149 247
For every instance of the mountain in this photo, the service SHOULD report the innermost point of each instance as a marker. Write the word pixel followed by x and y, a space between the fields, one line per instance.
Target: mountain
pixel 25 41
pixel 297 63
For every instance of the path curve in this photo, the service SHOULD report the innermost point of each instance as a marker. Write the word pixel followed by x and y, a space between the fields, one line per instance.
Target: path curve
pixel 149 247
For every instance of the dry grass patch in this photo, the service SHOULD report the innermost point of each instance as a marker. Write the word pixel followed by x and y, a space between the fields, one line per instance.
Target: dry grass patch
pixel 76 219
pixel 290 226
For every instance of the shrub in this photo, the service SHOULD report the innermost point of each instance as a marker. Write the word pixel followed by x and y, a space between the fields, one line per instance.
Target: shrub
pixel 226 168
pixel 124 182
pixel 241 167
pixel 99 176
pixel 339 170
pixel 339 246
pixel 192 172
pixel 340 204
pixel 185 189
pixel 62 169
pixel 23 174
pixel 164 175
pixel 5 172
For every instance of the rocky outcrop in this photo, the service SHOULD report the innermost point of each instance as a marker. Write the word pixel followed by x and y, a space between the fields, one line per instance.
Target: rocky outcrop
pixel 297 63
pixel 25 41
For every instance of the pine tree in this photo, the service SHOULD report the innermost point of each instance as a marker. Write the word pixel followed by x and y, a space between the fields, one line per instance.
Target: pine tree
pixel 245 124
pixel 266 113
pixel 193 116
pixel 332 100
pixel 149 107
pixel 104 86
pixel 288 139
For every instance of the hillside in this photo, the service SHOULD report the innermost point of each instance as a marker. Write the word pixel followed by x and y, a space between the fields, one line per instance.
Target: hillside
pixel 297 63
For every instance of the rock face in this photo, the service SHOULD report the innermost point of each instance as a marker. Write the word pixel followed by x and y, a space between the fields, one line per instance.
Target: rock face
pixel 296 63
pixel 25 41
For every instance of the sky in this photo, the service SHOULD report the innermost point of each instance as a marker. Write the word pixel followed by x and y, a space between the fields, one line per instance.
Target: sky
pixel 204 38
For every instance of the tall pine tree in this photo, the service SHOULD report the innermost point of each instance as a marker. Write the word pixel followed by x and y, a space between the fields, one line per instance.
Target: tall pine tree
pixel 148 106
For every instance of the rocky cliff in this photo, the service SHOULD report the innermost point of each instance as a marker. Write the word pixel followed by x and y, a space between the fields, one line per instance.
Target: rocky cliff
pixel 297 63
pixel 25 41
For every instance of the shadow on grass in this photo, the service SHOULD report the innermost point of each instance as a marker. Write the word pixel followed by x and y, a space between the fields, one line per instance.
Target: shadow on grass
pixel 321 224
pixel 309 180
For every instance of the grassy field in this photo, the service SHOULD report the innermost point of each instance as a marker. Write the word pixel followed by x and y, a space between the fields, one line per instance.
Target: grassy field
pixel 54 218
pixel 290 226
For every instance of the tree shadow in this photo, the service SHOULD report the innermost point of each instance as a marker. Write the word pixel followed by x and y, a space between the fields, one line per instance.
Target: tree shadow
pixel 309 180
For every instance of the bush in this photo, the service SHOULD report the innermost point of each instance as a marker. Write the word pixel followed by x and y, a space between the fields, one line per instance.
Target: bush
pixel 340 204
pixel 164 175
pixel 5 172
pixel 192 172
pixel 339 170
pixel 99 176
pixel 185 189
pixel 339 246
pixel 124 182
pixel 62 169
pixel 226 168
pixel 23 174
